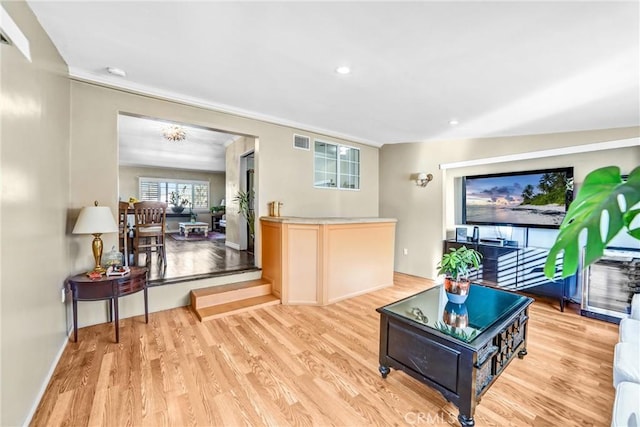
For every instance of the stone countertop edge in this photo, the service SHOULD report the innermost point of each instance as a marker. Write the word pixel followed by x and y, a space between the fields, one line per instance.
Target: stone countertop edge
pixel 325 220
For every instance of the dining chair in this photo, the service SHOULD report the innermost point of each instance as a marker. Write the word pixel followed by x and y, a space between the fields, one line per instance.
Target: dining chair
pixel 149 234
pixel 123 231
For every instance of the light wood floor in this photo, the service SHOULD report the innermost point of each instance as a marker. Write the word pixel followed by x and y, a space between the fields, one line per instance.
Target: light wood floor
pixel 297 365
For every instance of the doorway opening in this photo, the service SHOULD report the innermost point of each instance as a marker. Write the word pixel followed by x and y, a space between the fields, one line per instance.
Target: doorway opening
pixel 247 185
pixel 159 159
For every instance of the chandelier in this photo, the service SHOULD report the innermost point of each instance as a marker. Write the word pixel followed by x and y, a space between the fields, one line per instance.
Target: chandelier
pixel 175 133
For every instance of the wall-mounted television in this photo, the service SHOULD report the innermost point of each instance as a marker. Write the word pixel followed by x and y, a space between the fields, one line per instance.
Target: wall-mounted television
pixel 538 198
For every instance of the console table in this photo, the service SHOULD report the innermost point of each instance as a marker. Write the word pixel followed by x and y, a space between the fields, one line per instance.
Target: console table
pixel 457 349
pixel 111 288
pixel 517 268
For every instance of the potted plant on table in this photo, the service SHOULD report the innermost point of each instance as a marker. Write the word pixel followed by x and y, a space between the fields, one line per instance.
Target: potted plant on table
pixel 178 201
pixel 455 265
pixel 215 210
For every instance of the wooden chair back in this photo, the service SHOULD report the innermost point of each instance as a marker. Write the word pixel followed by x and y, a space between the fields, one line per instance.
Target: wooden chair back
pixel 150 217
pixel 123 207
pixel 150 223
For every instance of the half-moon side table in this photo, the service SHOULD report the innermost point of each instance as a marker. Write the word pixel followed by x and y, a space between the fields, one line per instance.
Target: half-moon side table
pixel 111 288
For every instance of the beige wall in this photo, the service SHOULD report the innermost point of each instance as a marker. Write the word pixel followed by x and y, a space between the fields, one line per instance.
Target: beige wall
pixel 425 215
pixel 34 158
pixel 290 180
pixel 128 179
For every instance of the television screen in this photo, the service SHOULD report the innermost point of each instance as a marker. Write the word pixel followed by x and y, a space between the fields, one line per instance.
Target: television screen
pixel 523 199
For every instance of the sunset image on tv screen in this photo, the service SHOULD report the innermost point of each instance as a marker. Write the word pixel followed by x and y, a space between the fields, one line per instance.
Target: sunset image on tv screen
pixel 535 199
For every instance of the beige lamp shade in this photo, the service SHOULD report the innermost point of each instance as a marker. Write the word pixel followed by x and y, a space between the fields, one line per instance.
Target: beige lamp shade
pixel 95 220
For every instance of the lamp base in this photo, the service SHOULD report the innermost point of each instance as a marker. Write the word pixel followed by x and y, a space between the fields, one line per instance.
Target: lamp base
pixel 99 270
pixel 96 247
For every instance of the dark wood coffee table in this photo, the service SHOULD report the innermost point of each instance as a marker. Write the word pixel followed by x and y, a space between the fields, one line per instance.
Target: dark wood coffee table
pixel 456 349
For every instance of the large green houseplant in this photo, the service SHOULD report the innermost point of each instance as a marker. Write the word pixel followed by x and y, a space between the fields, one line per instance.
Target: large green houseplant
pixel 245 201
pixel 456 265
pixel 603 190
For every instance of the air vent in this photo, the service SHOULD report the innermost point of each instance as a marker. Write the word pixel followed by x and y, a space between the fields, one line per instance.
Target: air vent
pixel 302 142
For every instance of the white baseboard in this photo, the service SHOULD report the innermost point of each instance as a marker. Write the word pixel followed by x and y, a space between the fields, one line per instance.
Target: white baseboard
pixel 47 379
pixel 232 245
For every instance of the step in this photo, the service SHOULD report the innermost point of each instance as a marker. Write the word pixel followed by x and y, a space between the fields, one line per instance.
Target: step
pixel 215 295
pixel 234 307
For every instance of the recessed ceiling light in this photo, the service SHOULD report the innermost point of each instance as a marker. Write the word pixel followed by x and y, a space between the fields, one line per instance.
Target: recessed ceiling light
pixel 116 71
pixel 343 70
pixel 453 122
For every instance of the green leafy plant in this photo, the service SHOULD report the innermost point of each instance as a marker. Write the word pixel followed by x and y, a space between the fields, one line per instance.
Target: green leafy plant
pixel 457 262
pixel 216 209
pixel 245 200
pixel 603 190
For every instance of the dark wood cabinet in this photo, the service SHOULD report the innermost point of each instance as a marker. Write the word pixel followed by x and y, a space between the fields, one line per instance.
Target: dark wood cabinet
pixel 517 268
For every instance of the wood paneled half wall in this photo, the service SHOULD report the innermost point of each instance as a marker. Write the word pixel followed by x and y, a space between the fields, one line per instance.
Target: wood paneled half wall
pixel 319 261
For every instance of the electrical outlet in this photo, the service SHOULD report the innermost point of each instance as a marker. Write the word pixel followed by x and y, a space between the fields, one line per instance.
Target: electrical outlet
pixel 63 295
pixel 405 251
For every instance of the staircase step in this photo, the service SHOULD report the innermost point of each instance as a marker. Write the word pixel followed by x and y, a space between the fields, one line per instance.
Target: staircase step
pixel 234 307
pixel 215 295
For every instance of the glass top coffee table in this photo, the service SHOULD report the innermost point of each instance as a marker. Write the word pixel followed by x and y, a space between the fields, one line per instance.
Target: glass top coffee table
pixel 457 349
pixel 465 322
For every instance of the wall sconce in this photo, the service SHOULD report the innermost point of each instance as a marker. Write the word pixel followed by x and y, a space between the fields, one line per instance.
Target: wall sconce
pixel 423 179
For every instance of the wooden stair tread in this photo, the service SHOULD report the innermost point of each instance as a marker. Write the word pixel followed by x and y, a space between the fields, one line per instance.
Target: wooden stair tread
pixel 224 294
pixel 238 306
pixel 212 290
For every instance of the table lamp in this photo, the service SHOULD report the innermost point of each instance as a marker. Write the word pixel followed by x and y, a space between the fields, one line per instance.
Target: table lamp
pixel 96 220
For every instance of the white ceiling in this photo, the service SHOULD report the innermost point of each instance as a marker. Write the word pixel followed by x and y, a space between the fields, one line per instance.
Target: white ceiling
pixel 141 142
pixel 500 68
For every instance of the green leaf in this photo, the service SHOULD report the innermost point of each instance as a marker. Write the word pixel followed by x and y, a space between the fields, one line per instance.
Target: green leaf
pixel 599 193
pixel 628 219
pixel 456 262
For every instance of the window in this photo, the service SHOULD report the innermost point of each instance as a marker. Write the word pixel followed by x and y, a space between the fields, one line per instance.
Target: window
pixel 349 168
pixel 196 193
pixel 336 166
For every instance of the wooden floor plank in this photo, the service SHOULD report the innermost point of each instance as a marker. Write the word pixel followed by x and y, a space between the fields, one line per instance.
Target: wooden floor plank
pixel 197 258
pixel 310 366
